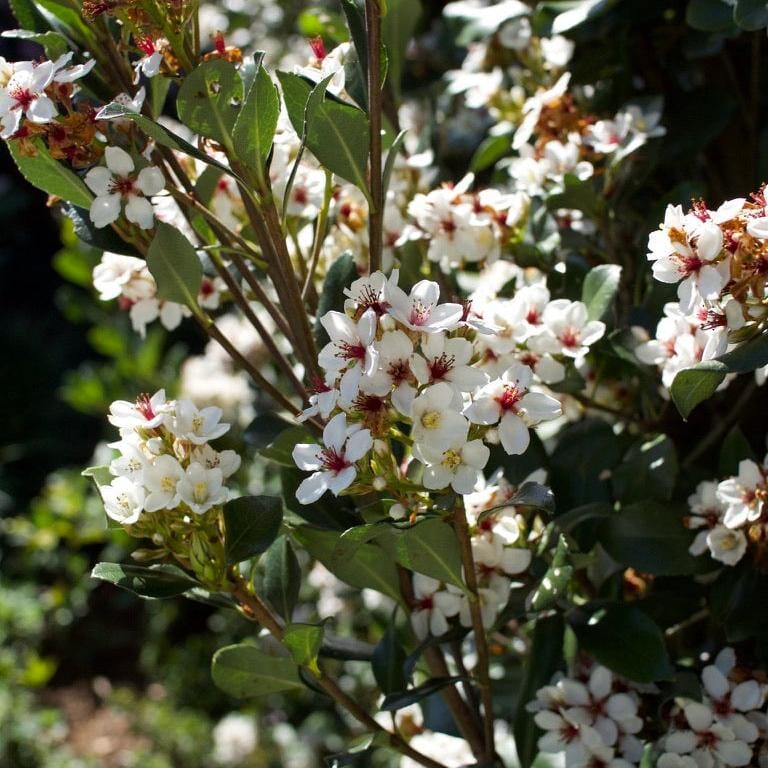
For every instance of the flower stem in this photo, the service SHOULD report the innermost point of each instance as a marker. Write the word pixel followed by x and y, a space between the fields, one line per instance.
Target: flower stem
pixel 375 182
pixel 482 669
pixel 259 611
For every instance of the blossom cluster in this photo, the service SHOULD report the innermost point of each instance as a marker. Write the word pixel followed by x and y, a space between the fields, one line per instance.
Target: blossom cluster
pixel 729 514
pixel 127 279
pixel 716 259
pixel 165 459
pixel 445 369
pixel 597 718
pixel 502 539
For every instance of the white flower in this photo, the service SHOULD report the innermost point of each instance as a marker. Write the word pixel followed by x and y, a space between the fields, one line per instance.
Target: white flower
pixel 161 480
pixel 146 413
pixel 24 96
pixel 726 545
pixel 234 738
pixel 449 751
pixel 201 488
pixel 350 350
pixel 370 292
pixel 395 352
pixel 740 495
pixel 227 461
pixel 436 422
pixel 116 185
pixel 146 311
pixel 149 64
pixel 123 500
pixel 458 466
pixel 433 606
pixel 113 273
pixel 508 403
pixel 198 426
pixel 332 463
pixel 447 360
pixel 420 311
pixel 568 330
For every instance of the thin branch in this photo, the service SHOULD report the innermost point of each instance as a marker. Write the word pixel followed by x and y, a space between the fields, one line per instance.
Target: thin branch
pixel 320 232
pixel 376 212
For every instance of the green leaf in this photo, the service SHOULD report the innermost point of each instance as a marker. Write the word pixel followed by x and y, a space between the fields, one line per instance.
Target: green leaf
pixel 627 641
pixel 650 536
pixel 336 133
pixel 554 583
pixel 282 577
pixel 599 289
pixel 254 129
pixel 29 16
pixel 491 149
pixel 400 699
pixel 49 175
pixel 734 449
pixel 164 137
pixel 53 43
pixel 694 385
pixel 739 601
pixel 280 449
pixel 397 29
pixel 367 568
pixel 528 495
pixel 243 671
pixel 328 512
pixel 252 524
pixel 709 15
pixel 304 642
pixel 174 264
pixel 579 462
pixel 153 582
pixel 104 238
pixel 544 659
pixel 355 537
pixel 209 100
pixel 388 662
pixel 649 470
pixel 751 14
pixel 429 547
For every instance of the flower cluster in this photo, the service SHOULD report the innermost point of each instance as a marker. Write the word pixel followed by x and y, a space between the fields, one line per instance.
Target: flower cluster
pixel 36 100
pixel 169 483
pixel 726 728
pixel 127 279
pixel 716 258
pixel 592 717
pixel 502 539
pixel 595 718
pixel 730 514
pixel 395 358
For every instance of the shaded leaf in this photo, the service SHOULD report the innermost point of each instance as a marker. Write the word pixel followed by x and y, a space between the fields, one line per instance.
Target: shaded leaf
pixel 152 582
pixel 244 671
pixel 599 289
pixel 400 699
pixel 174 264
pixel 252 524
pixel 282 577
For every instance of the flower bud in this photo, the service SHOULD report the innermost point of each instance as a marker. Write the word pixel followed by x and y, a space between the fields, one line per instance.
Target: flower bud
pixel 379 483
pixel 397 511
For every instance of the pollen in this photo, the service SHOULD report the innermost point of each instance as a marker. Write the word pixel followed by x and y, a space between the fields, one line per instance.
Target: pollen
pixel 431 420
pixel 451 459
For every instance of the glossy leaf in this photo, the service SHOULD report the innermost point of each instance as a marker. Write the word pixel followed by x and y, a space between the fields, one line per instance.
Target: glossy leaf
pixel 49 175
pixel 303 641
pixel 244 671
pixel 209 99
pixel 251 524
pixel 153 582
pixel 626 640
pixel 388 662
pixel 282 577
pixel 599 290
pixel 174 264
pixel 649 470
pixel 400 699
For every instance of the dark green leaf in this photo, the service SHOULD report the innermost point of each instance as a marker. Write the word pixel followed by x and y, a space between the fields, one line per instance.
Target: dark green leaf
pixel 599 290
pixel 429 547
pixel 555 581
pixel 252 524
pixel 626 640
pixel 159 133
pixel 751 14
pixel 367 568
pixel 328 512
pixel 243 671
pixel 649 470
pixel 53 43
pixel 280 449
pixel 174 264
pixel 282 577
pixel 209 100
pixel 491 149
pixel 650 537
pixel 49 175
pixel 254 129
pixel 400 699
pixel 388 662
pixel 694 385
pixel 153 582
pixel 104 238
pixel 735 448
pixel 29 16
pixel 709 15
pixel 336 133
pixel 397 29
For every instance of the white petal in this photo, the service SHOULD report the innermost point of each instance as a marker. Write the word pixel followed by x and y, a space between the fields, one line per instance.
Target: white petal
pixel 138 210
pixel 118 161
pixel 312 488
pixel 151 181
pixel 514 435
pixel 104 210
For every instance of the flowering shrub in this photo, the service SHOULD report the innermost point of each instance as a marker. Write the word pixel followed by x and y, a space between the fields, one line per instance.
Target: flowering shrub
pixel 442 364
